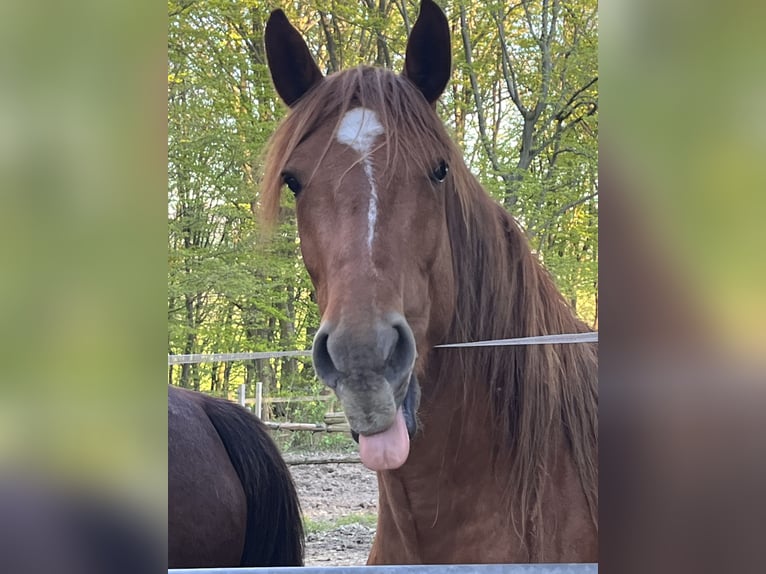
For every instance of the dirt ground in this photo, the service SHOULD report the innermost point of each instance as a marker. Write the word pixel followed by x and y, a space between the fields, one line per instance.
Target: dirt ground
pixel 340 504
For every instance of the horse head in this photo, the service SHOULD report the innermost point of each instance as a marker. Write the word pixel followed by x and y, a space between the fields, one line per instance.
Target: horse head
pixel 369 163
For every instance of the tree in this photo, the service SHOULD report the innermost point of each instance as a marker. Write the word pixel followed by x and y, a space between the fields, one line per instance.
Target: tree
pixel 523 104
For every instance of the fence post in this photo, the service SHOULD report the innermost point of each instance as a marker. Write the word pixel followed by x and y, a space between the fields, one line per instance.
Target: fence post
pixel 259 400
pixel 241 394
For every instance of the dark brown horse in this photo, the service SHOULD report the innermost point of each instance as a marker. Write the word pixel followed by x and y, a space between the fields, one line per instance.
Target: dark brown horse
pixel 231 499
pixel 483 455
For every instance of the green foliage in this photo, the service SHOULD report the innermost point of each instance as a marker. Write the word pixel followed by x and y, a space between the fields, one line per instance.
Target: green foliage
pixel 529 131
pixel 368 519
pixel 299 442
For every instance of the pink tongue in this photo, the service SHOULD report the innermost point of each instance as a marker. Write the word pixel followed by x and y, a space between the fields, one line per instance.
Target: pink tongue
pixel 388 449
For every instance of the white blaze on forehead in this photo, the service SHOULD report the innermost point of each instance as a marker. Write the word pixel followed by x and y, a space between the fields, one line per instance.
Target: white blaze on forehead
pixel 359 129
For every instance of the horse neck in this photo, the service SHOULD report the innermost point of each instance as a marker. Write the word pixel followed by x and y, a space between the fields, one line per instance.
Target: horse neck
pixel 459 478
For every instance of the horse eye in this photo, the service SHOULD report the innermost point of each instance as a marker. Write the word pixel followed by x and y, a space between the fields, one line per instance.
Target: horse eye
pixel 292 182
pixel 439 174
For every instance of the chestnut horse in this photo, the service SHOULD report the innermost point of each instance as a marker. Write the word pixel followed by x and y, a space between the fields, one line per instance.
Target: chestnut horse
pixel 231 499
pixel 483 454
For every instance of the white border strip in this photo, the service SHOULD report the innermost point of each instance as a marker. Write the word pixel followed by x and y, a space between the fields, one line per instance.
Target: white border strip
pixel 419 569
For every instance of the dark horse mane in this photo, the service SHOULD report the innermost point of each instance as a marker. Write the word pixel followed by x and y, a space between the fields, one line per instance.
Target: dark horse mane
pixel 274 533
pixel 541 396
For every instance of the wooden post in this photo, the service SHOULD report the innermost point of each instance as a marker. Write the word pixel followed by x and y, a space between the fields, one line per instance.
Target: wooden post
pixel 259 400
pixel 241 394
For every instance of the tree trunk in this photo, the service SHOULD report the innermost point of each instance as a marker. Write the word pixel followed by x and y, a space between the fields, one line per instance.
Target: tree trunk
pixel 189 344
pixel 226 378
pixel 214 379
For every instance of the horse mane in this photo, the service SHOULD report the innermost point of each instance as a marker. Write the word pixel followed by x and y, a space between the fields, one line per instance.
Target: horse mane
pixel 541 395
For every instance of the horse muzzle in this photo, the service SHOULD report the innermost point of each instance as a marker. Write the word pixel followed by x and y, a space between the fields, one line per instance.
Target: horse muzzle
pixel 371 371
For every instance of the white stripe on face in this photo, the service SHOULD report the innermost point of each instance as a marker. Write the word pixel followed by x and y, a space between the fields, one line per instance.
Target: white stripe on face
pixel 359 129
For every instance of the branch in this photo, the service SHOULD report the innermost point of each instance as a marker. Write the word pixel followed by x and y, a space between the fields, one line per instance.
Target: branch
pixel 183 6
pixel 575 203
pixel 252 50
pixel 528 18
pixel 403 11
pixel 543 233
pixel 564 113
pixel 509 74
pixel 561 129
pixel 330 42
pixel 330 459
pixel 475 89
pixel 546 38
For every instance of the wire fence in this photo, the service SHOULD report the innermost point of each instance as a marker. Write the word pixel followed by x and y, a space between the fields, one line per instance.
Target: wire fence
pixel 558 339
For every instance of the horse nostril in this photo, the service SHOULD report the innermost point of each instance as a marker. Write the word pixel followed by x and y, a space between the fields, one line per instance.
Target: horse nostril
pixel 402 357
pixel 323 363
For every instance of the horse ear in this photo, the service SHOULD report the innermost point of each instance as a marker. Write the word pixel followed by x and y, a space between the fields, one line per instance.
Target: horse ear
pixel 292 68
pixel 428 62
